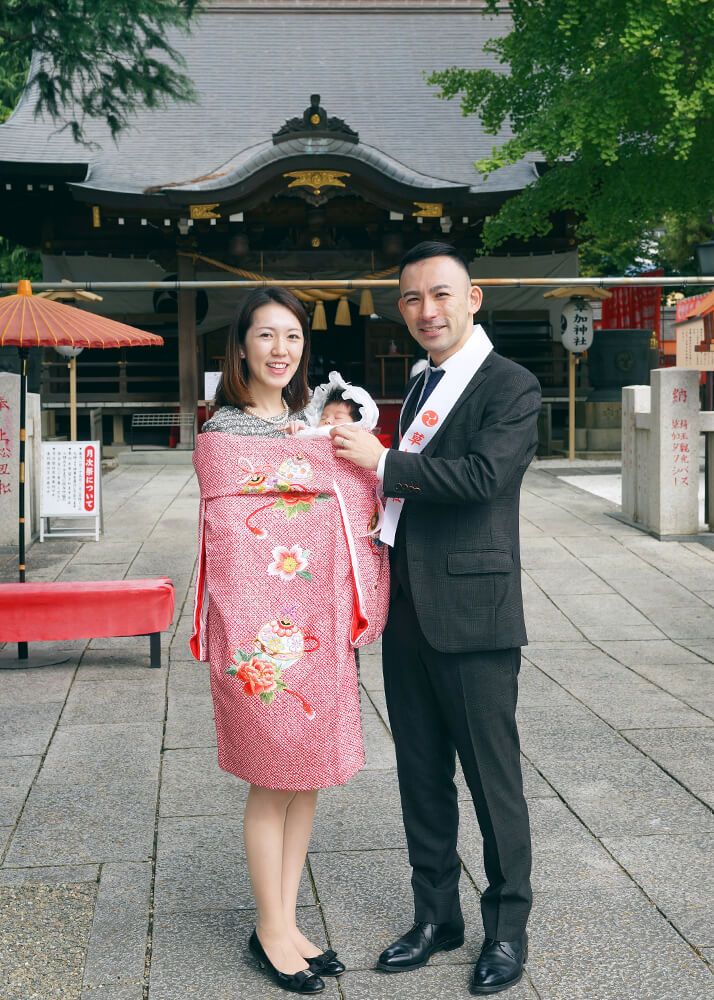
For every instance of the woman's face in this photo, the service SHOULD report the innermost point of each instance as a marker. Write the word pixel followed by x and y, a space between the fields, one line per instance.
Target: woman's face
pixel 273 346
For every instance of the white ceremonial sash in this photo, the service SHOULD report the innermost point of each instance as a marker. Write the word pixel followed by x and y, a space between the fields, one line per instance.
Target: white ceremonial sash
pixel 438 406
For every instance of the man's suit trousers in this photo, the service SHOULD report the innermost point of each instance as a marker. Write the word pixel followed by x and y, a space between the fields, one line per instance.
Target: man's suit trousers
pixel 439 705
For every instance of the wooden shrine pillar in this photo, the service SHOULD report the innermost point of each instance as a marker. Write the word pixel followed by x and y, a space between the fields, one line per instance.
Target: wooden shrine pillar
pixel 187 348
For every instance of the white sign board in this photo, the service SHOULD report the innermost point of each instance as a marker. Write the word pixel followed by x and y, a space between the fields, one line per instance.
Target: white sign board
pixel 210 384
pixel 71 486
pixel 576 326
pixel 693 352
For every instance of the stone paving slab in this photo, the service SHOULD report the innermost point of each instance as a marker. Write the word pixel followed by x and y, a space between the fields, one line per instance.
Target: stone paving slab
pixel 692 683
pixel 125 991
pixel 705 650
pixel 367 902
pixel 201 866
pixel 677 873
pixel 51 875
pixel 116 951
pixel 110 664
pixel 16 777
pixel 374 797
pixel 424 984
pixel 686 754
pixel 204 956
pixel 641 814
pixel 98 703
pixel 604 943
pixel 194 785
pixel 190 722
pixel 663 651
pixel 44 931
pixel 616 710
pixel 80 825
pixel 627 702
pixel 27 729
pixel 38 685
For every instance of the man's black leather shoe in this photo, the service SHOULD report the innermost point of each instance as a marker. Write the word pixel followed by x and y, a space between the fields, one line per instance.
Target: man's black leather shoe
pixel 499 965
pixel 416 947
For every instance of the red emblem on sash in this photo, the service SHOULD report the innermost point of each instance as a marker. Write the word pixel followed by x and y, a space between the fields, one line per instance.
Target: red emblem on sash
pixel 430 418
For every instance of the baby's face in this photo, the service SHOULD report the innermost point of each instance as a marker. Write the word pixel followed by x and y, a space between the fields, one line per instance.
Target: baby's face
pixel 335 413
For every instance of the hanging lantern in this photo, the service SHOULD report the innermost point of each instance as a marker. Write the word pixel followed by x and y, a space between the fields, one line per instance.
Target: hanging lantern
pixel 342 316
pixel 366 303
pixel 319 320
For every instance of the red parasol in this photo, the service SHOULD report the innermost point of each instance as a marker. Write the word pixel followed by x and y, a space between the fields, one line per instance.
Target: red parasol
pixel 28 321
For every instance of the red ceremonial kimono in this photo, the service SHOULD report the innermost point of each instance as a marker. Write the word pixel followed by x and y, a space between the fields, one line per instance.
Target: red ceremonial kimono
pixel 289 580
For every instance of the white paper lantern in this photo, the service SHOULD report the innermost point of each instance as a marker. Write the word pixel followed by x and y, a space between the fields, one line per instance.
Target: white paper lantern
pixel 576 325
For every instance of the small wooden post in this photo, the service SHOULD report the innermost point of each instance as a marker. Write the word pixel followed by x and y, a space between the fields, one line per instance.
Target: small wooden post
pixel 188 354
pixel 73 399
pixel 571 405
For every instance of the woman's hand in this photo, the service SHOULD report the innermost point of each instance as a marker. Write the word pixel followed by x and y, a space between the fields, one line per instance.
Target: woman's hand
pixel 357 445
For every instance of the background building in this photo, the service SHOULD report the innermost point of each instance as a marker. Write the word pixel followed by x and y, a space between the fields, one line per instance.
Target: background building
pixel 316 149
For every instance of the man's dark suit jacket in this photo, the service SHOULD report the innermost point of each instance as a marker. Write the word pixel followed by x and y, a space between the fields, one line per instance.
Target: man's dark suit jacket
pixel 460 519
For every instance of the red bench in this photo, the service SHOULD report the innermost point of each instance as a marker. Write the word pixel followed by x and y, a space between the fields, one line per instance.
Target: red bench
pixel 44 612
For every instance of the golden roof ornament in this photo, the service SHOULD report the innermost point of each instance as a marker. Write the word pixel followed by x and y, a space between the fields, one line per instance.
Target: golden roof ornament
pixel 317 179
pixel 428 209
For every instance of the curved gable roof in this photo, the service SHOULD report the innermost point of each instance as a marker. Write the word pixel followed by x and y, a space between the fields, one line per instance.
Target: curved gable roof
pixel 253 69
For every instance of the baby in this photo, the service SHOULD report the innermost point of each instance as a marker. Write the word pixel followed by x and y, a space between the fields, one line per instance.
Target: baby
pixel 336 402
pixel 338 410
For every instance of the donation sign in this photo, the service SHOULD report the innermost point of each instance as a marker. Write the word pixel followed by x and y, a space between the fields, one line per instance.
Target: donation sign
pixel 70 479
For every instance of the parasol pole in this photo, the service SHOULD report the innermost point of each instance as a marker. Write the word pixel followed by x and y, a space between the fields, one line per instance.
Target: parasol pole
pixel 73 399
pixel 22 646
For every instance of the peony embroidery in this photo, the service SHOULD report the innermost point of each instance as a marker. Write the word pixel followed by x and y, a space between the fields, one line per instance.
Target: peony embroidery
pixel 258 676
pixel 289 563
pixel 279 644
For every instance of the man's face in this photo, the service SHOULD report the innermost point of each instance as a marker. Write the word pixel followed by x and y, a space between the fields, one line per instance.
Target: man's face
pixel 438 303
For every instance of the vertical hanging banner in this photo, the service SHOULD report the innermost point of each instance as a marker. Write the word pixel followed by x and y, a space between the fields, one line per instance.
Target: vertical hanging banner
pixel 71 488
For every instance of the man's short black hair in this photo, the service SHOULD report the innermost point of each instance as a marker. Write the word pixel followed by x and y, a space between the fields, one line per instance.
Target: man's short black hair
pixel 432 248
pixel 337 397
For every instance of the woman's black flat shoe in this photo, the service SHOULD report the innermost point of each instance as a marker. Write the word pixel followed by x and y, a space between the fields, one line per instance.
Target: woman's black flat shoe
pixel 326 964
pixel 300 982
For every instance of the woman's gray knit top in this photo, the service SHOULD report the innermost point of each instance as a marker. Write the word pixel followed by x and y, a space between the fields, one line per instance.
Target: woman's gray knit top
pixel 233 420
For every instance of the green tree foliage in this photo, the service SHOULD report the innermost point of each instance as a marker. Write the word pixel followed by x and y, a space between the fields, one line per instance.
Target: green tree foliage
pixel 18 262
pixel 92 59
pixel 618 97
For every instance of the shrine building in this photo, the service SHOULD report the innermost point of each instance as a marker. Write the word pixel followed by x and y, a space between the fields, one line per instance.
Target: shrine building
pixel 315 149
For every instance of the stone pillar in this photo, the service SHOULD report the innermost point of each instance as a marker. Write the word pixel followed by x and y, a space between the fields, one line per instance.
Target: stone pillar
pixel 10 462
pixel 635 453
pixel 674 452
pixel 187 346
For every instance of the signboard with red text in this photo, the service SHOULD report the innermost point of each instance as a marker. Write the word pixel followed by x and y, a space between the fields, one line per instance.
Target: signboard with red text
pixel 71 486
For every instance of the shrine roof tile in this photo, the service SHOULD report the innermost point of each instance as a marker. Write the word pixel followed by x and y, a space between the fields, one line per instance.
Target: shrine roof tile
pixel 254 69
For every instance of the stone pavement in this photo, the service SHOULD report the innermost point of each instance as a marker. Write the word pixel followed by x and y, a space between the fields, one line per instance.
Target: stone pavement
pixel 122 871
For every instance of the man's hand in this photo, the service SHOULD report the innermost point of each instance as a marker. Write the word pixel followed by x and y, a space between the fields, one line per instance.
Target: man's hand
pixel 357 445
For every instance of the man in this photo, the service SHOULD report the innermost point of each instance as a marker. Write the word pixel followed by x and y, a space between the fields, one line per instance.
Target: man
pixel 451 648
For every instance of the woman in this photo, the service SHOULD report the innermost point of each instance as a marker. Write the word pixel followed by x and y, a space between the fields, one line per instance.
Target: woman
pixel 263 387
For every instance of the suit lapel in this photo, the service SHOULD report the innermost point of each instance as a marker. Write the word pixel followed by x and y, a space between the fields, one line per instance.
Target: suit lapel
pixel 475 382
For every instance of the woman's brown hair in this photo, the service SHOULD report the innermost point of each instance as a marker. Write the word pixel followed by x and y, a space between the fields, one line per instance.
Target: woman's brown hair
pixel 233 386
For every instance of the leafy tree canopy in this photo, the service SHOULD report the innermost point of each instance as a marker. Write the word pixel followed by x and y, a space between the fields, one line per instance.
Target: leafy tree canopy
pixel 92 59
pixel 618 97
